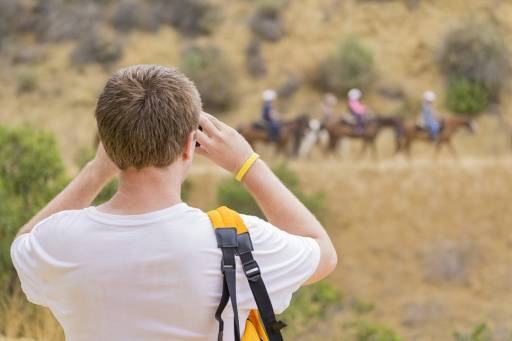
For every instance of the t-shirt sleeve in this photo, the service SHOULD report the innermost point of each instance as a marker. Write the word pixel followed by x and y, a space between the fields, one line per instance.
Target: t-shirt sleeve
pixel 30 261
pixel 286 261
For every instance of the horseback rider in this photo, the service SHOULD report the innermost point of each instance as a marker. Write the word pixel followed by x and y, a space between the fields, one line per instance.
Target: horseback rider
pixel 269 115
pixel 327 106
pixel 428 115
pixel 357 109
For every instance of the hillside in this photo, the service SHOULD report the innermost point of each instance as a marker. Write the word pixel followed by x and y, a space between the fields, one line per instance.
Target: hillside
pixel 426 243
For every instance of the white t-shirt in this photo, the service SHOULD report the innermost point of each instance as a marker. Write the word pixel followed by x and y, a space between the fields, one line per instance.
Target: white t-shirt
pixel 153 276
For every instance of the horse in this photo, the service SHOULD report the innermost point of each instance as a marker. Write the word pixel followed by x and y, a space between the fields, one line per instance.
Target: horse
pixel 342 128
pixel 448 127
pixel 291 132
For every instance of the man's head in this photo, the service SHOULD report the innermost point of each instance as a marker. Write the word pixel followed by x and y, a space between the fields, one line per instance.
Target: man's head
pixel 145 116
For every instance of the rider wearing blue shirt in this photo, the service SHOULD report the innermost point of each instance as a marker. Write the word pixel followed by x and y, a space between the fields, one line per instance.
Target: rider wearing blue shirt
pixel 269 115
pixel 428 115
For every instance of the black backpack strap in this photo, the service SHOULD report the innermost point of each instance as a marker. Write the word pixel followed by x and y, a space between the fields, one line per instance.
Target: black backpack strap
pixel 227 242
pixel 259 291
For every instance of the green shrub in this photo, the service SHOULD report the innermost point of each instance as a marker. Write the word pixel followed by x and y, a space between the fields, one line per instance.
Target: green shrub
pixel 466 97
pixel 213 75
pixel 31 173
pixel 480 332
pixel 476 53
pixel 362 330
pixel 310 304
pixel 232 194
pixel 350 66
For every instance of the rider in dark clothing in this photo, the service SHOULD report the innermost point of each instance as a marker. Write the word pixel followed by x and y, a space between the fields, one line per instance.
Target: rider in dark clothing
pixel 268 114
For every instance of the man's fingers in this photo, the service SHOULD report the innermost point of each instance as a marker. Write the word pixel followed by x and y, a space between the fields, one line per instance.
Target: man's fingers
pixel 208 127
pixel 216 122
pixel 202 138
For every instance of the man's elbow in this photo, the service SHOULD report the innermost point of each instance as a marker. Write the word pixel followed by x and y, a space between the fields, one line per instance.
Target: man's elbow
pixel 331 261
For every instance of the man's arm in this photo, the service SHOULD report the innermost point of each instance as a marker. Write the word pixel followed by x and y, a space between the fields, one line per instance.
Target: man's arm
pixel 223 145
pixel 80 192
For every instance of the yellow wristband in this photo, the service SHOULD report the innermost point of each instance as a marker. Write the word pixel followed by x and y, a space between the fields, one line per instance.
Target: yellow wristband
pixel 246 166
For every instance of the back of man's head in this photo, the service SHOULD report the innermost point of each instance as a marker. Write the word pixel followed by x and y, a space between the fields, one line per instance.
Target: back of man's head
pixel 145 114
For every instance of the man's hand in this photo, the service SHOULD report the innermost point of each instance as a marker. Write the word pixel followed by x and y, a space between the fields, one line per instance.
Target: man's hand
pixel 221 143
pixel 103 164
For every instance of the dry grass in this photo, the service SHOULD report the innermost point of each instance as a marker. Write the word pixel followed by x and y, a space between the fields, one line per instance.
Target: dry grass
pixel 428 243
pixel 389 220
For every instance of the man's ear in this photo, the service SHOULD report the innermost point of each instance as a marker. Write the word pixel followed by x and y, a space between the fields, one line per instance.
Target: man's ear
pixel 188 151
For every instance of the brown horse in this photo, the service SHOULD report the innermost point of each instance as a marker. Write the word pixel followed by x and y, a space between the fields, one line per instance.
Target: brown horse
pixel 448 127
pixel 342 128
pixel 291 134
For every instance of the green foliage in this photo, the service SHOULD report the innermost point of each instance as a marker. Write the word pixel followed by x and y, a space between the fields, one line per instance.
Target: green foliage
pixel 213 75
pixel 31 173
pixel 309 304
pixel 361 306
pixel 362 330
pixel 350 66
pixel 480 332
pixel 466 97
pixel 478 54
pixel 234 195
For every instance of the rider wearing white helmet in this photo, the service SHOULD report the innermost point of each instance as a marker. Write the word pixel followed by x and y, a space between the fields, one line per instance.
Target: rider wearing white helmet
pixel 357 109
pixel 428 115
pixel 328 107
pixel 268 114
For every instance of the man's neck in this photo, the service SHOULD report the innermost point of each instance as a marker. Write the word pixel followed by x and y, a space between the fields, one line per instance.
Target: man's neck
pixel 147 190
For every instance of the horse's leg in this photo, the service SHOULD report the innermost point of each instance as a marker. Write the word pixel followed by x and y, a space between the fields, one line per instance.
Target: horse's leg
pixel 438 145
pixel 373 146
pixel 364 147
pixel 452 149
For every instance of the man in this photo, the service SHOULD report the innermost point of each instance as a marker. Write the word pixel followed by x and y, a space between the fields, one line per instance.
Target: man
pixel 357 109
pixel 269 115
pixel 428 118
pixel 145 265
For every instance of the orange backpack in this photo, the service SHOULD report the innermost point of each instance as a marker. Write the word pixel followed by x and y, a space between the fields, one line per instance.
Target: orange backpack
pixel 234 240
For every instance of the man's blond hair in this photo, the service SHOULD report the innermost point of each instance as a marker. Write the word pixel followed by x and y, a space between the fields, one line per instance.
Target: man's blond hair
pixel 145 114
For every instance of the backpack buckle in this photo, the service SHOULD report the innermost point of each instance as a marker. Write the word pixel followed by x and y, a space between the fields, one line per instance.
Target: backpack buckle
pixel 252 270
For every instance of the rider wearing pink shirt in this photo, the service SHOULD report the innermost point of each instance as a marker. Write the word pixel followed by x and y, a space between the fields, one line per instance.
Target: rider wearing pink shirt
pixel 357 109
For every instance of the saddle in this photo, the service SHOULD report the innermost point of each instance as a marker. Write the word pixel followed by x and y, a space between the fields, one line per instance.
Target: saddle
pixel 261 125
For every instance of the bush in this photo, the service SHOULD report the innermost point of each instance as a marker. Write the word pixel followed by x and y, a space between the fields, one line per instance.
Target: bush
pixel 308 305
pixel 478 54
pixel 213 75
pixel 234 195
pixel 189 17
pixel 58 20
pixel 466 97
pixel 254 59
pixel 31 173
pixel 266 22
pixel 350 66
pixel 126 16
pixel 10 13
pixel 27 82
pixel 130 15
pixel 95 48
pixel 366 331
pixel 479 333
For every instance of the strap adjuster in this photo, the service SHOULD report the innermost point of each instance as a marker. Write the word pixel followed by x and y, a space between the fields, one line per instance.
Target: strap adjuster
pixel 252 270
